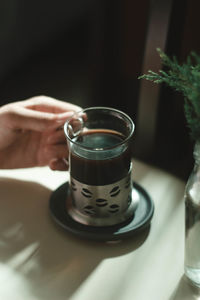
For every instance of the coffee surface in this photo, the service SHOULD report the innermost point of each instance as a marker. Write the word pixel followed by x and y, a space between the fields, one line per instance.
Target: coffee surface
pixel 99 139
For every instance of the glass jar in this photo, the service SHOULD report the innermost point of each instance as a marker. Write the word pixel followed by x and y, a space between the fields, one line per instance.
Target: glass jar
pixel 192 221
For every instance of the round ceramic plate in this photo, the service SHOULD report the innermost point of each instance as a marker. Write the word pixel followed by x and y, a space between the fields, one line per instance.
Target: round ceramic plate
pixel 141 217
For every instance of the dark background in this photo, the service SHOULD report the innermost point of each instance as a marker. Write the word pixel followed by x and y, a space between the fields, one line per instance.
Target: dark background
pixel 91 53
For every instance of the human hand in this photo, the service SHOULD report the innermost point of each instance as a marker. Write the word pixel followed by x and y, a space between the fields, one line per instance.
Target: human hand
pixel 31 133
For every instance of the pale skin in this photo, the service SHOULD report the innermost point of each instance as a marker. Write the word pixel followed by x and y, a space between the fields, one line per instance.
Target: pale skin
pixel 31 133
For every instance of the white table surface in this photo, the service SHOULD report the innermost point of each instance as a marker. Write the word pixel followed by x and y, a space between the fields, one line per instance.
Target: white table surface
pixel 41 261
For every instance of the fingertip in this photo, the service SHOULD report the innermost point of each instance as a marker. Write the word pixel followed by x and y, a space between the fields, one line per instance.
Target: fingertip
pixel 58 165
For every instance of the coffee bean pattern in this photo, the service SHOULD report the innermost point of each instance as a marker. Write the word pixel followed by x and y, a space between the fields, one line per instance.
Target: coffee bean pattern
pixel 115 191
pixel 86 193
pixel 129 200
pixel 89 209
pixel 113 208
pixel 101 202
pixel 128 182
pixel 73 186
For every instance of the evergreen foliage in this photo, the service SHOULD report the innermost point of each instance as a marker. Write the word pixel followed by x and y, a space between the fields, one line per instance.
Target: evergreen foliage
pixel 184 78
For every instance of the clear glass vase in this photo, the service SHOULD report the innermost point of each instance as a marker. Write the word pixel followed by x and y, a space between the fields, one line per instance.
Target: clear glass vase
pixel 192 221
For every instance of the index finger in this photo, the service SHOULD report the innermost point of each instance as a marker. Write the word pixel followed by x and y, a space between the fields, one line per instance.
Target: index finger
pixel 48 104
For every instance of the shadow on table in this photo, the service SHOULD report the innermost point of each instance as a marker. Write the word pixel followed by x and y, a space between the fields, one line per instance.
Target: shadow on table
pixel 50 262
pixel 186 291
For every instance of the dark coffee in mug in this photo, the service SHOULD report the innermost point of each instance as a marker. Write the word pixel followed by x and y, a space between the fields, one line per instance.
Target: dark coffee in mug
pixel 99 166
pixel 104 163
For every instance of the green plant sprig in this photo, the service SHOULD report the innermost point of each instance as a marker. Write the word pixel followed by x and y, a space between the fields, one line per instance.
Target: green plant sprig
pixel 183 78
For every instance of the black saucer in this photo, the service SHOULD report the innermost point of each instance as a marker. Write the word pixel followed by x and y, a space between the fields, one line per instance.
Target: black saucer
pixel 140 219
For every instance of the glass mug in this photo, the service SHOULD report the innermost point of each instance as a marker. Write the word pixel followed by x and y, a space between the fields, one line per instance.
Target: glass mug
pixel 100 166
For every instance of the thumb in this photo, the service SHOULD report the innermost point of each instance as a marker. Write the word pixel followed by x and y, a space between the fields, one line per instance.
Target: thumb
pixel 23 118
